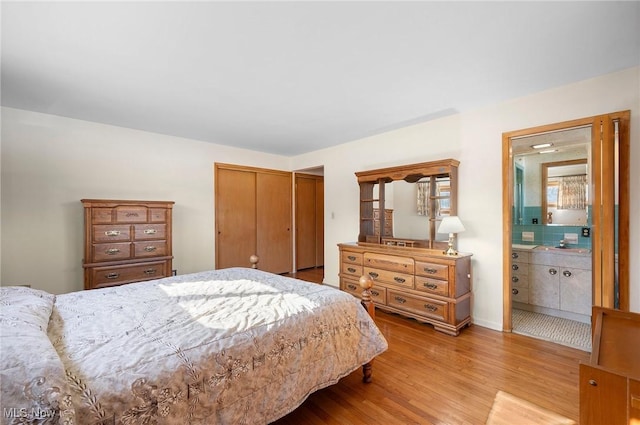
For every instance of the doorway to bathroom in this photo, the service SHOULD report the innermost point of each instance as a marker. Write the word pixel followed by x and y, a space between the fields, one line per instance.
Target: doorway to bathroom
pixel 565 196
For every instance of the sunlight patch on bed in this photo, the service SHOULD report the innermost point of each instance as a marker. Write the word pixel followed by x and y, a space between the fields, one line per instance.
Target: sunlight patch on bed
pixel 236 305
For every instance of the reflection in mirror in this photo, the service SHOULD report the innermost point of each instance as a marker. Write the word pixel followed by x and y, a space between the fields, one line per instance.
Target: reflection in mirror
pixel 412 204
pixel 565 194
pixel 530 186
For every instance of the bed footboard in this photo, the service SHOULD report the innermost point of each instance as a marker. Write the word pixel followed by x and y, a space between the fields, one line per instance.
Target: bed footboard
pixel 366 283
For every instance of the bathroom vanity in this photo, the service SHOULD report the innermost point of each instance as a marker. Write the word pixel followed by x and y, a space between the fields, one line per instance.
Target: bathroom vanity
pixel 552 281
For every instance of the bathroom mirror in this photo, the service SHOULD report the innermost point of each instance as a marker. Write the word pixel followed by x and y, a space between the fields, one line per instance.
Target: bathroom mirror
pixel 565 192
pixel 540 157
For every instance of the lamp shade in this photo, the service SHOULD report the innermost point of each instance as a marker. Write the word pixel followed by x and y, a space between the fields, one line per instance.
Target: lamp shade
pixel 451 224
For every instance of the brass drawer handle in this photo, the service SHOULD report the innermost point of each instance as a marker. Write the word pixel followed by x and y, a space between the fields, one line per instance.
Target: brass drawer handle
pixel 112 233
pixel 514 267
pixel 149 272
pixel 352 257
pixel 429 285
pixel 112 275
pixel 375 293
pixel 150 248
pixel 112 251
pixel 351 270
pixel 399 279
pixel 553 272
pixel 373 274
pixel 400 300
pixel 430 307
pixel 515 291
pixel 566 273
pixel 352 287
pixel 430 270
pixel 150 231
pixel 131 214
pixel 514 255
pixel 515 279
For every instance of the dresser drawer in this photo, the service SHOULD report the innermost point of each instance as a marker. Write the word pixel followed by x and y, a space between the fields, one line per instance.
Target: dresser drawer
pixel 131 214
pixel 423 306
pixel 432 286
pixel 351 257
pixel 352 270
pixel 389 262
pixel 391 277
pixel 150 249
pixel 101 215
pixel 436 271
pixel 108 233
pixel 378 294
pixel 118 275
pixel 158 215
pixel 111 251
pixel 150 231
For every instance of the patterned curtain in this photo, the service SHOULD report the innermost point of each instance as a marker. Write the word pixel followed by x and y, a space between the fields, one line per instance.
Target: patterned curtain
pixel 423 198
pixel 572 193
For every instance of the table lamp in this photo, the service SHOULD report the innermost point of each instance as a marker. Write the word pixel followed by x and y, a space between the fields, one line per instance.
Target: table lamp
pixel 450 225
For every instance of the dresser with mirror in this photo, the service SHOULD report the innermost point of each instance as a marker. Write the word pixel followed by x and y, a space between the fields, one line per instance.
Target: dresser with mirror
pixel 407 263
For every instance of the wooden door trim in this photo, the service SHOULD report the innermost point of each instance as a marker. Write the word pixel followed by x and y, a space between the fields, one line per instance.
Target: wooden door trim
pixel 623 117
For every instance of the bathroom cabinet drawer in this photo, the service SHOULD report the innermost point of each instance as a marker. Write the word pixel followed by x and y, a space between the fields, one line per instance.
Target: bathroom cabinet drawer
pixel 519 295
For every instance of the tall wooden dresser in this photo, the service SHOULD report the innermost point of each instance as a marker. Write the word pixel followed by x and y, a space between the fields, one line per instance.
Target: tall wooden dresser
pixel 126 241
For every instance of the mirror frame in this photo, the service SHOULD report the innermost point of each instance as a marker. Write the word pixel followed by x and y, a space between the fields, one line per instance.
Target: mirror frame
pixel 544 176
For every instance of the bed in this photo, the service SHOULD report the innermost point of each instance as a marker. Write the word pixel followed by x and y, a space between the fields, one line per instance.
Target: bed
pixel 231 346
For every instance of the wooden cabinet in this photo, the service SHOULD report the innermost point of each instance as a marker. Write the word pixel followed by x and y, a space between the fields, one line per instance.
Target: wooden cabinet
pixel 384 227
pixel 439 182
pixel 420 283
pixel 253 216
pixel 610 382
pixel 126 241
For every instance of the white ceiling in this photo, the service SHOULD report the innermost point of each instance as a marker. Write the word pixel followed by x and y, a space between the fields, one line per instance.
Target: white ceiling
pixel 293 77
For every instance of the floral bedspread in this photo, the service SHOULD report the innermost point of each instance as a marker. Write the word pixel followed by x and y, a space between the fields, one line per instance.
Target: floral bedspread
pixel 232 346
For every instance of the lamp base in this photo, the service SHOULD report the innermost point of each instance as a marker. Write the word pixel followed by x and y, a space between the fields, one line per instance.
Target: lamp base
pixel 450 250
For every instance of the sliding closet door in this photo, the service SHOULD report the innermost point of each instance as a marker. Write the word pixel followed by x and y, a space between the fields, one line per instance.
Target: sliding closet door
pixel 235 217
pixel 253 216
pixel 274 221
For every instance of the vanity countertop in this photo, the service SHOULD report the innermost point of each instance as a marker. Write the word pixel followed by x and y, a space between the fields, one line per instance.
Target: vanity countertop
pixel 566 251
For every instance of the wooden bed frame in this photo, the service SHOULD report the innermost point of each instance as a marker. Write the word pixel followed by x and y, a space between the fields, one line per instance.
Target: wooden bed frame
pixel 366 283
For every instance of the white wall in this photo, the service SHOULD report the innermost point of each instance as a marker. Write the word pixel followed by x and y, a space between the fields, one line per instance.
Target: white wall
pixel 49 163
pixel 475 139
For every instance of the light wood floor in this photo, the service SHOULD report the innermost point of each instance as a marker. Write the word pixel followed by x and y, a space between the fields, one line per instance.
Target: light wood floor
pixel 427 377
